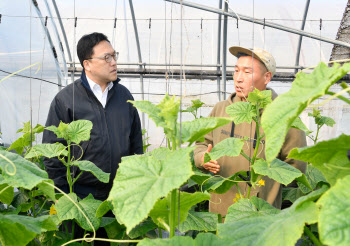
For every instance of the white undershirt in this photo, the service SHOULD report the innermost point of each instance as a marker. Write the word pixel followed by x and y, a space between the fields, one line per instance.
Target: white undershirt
pixel 96 89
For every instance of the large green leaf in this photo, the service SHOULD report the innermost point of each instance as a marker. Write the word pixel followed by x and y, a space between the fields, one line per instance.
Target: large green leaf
pixel 278 170
pixel 67 210
pixel 79 130
pixel 299 124
pixel 76 131
pixel 246 208
pixel 202 239
pixel 160 211
pixel 113 228
pixel 169 108
pixel 19 230
pixel 314 176
pixel 199 221
pixel 88 166
pixel 192 131
pixel 142 228
pixel 280 114
pixel 23 173
pixel 228 147
pixel 334 220
pixel 21 142
pixel 284 228
pixel 330 157
pixel 47 150
pixel 150 109
pixel 241 112
pixel 104 208
pixel 291 194
pixel 141 181
pixel 6 193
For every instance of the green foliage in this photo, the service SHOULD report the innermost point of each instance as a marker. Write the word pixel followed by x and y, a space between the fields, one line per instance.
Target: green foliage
pixel 263 98
pixel 142 180
pixel 278 170
pixel 47 150
pixel 88 166
pixel 227 147
pixel 279 115
pixel 283 228
pixel 66 210
pixel 248 208
pixel 145 140
pixel 199 221
pixel 330 157
pixel 298 124
pixel 22 173
pixel 20 230
pixel 241 112
pixel 75 132
pixel 334 218
pixel 6 193
pixel 161 210
pixel 321 120
pixel 192 131
pixel 196 104
pixel 314 176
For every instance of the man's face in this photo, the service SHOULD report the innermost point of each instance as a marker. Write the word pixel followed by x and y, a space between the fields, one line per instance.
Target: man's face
pixel 99 70
pixel 249 73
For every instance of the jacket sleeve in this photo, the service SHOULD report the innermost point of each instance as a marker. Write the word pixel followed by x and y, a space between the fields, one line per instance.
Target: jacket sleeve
pixel 201 147
pixel 54 167
pixel 136 144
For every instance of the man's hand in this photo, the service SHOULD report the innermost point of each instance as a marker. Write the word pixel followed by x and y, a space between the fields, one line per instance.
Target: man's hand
pixel 211 166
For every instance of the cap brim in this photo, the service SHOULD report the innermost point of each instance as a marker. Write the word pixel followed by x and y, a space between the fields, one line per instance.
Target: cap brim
pixel 235 50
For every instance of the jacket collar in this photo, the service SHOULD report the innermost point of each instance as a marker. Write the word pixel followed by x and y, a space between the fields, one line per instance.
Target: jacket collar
pixel 85 82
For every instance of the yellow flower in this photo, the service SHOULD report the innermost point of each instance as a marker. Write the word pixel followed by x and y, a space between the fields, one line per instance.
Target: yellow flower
pixel 52 210
pixel 261 182
pixel 238 196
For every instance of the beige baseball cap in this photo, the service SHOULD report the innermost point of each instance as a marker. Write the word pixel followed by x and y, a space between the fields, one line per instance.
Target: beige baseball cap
pixel 265 57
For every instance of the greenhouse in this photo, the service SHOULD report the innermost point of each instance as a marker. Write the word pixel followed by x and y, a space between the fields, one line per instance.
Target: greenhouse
pixel 173 122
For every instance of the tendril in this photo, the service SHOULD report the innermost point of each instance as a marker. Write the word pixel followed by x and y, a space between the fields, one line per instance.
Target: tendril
pixel 6 167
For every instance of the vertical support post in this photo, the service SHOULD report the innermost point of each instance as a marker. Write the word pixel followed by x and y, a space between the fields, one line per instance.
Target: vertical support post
pixel 224 50
pixel 140 57
pixel 218 60
pixel 301 37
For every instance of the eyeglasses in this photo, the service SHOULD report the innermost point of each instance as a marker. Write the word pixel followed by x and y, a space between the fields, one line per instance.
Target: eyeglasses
pixel 108 57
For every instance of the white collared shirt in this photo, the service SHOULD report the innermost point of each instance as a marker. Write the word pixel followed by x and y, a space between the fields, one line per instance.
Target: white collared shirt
pixel 96 89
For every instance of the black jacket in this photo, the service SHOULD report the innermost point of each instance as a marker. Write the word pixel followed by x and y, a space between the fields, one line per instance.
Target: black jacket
pixel 116 133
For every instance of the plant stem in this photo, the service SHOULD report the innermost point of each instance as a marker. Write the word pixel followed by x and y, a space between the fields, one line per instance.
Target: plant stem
pixel 42 206
pixel 69 177
pixel 160 232
pixel 249 188
pixel 73 228
pixel 77 178
pixel 257 134
pixel 318 129
pixel 172 216
pixel 32 202
pixel 245 156
pixel 340 97
pixel 313 238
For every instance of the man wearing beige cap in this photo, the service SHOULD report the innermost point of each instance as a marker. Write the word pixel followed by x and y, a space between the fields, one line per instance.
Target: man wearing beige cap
pixel 254 69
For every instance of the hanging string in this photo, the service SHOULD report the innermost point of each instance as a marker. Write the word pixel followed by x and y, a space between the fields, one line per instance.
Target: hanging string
pixel 149 79
pixel 42 68
pixel 30 74
pixel 320 40
pixel 74 44
pixel 115 23
pixel 201 80
pixel 264 35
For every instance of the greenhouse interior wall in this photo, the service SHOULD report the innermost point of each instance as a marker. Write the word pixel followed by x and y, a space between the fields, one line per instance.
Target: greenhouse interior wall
pixel 168 37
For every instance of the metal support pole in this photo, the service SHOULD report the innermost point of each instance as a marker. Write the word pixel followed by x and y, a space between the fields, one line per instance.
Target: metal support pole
pixel 224 50
pixel 140 57
pixel 218 51
pixel 261 22
pixel 62 29
pixel 301 37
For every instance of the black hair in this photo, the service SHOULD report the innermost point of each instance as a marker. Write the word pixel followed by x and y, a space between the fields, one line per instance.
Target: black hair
pixel 87 43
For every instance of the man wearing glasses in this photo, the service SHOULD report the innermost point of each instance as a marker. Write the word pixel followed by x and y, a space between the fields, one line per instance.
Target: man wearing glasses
pixel 96 96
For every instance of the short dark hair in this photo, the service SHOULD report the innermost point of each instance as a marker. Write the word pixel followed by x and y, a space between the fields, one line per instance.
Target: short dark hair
pixel 87 43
